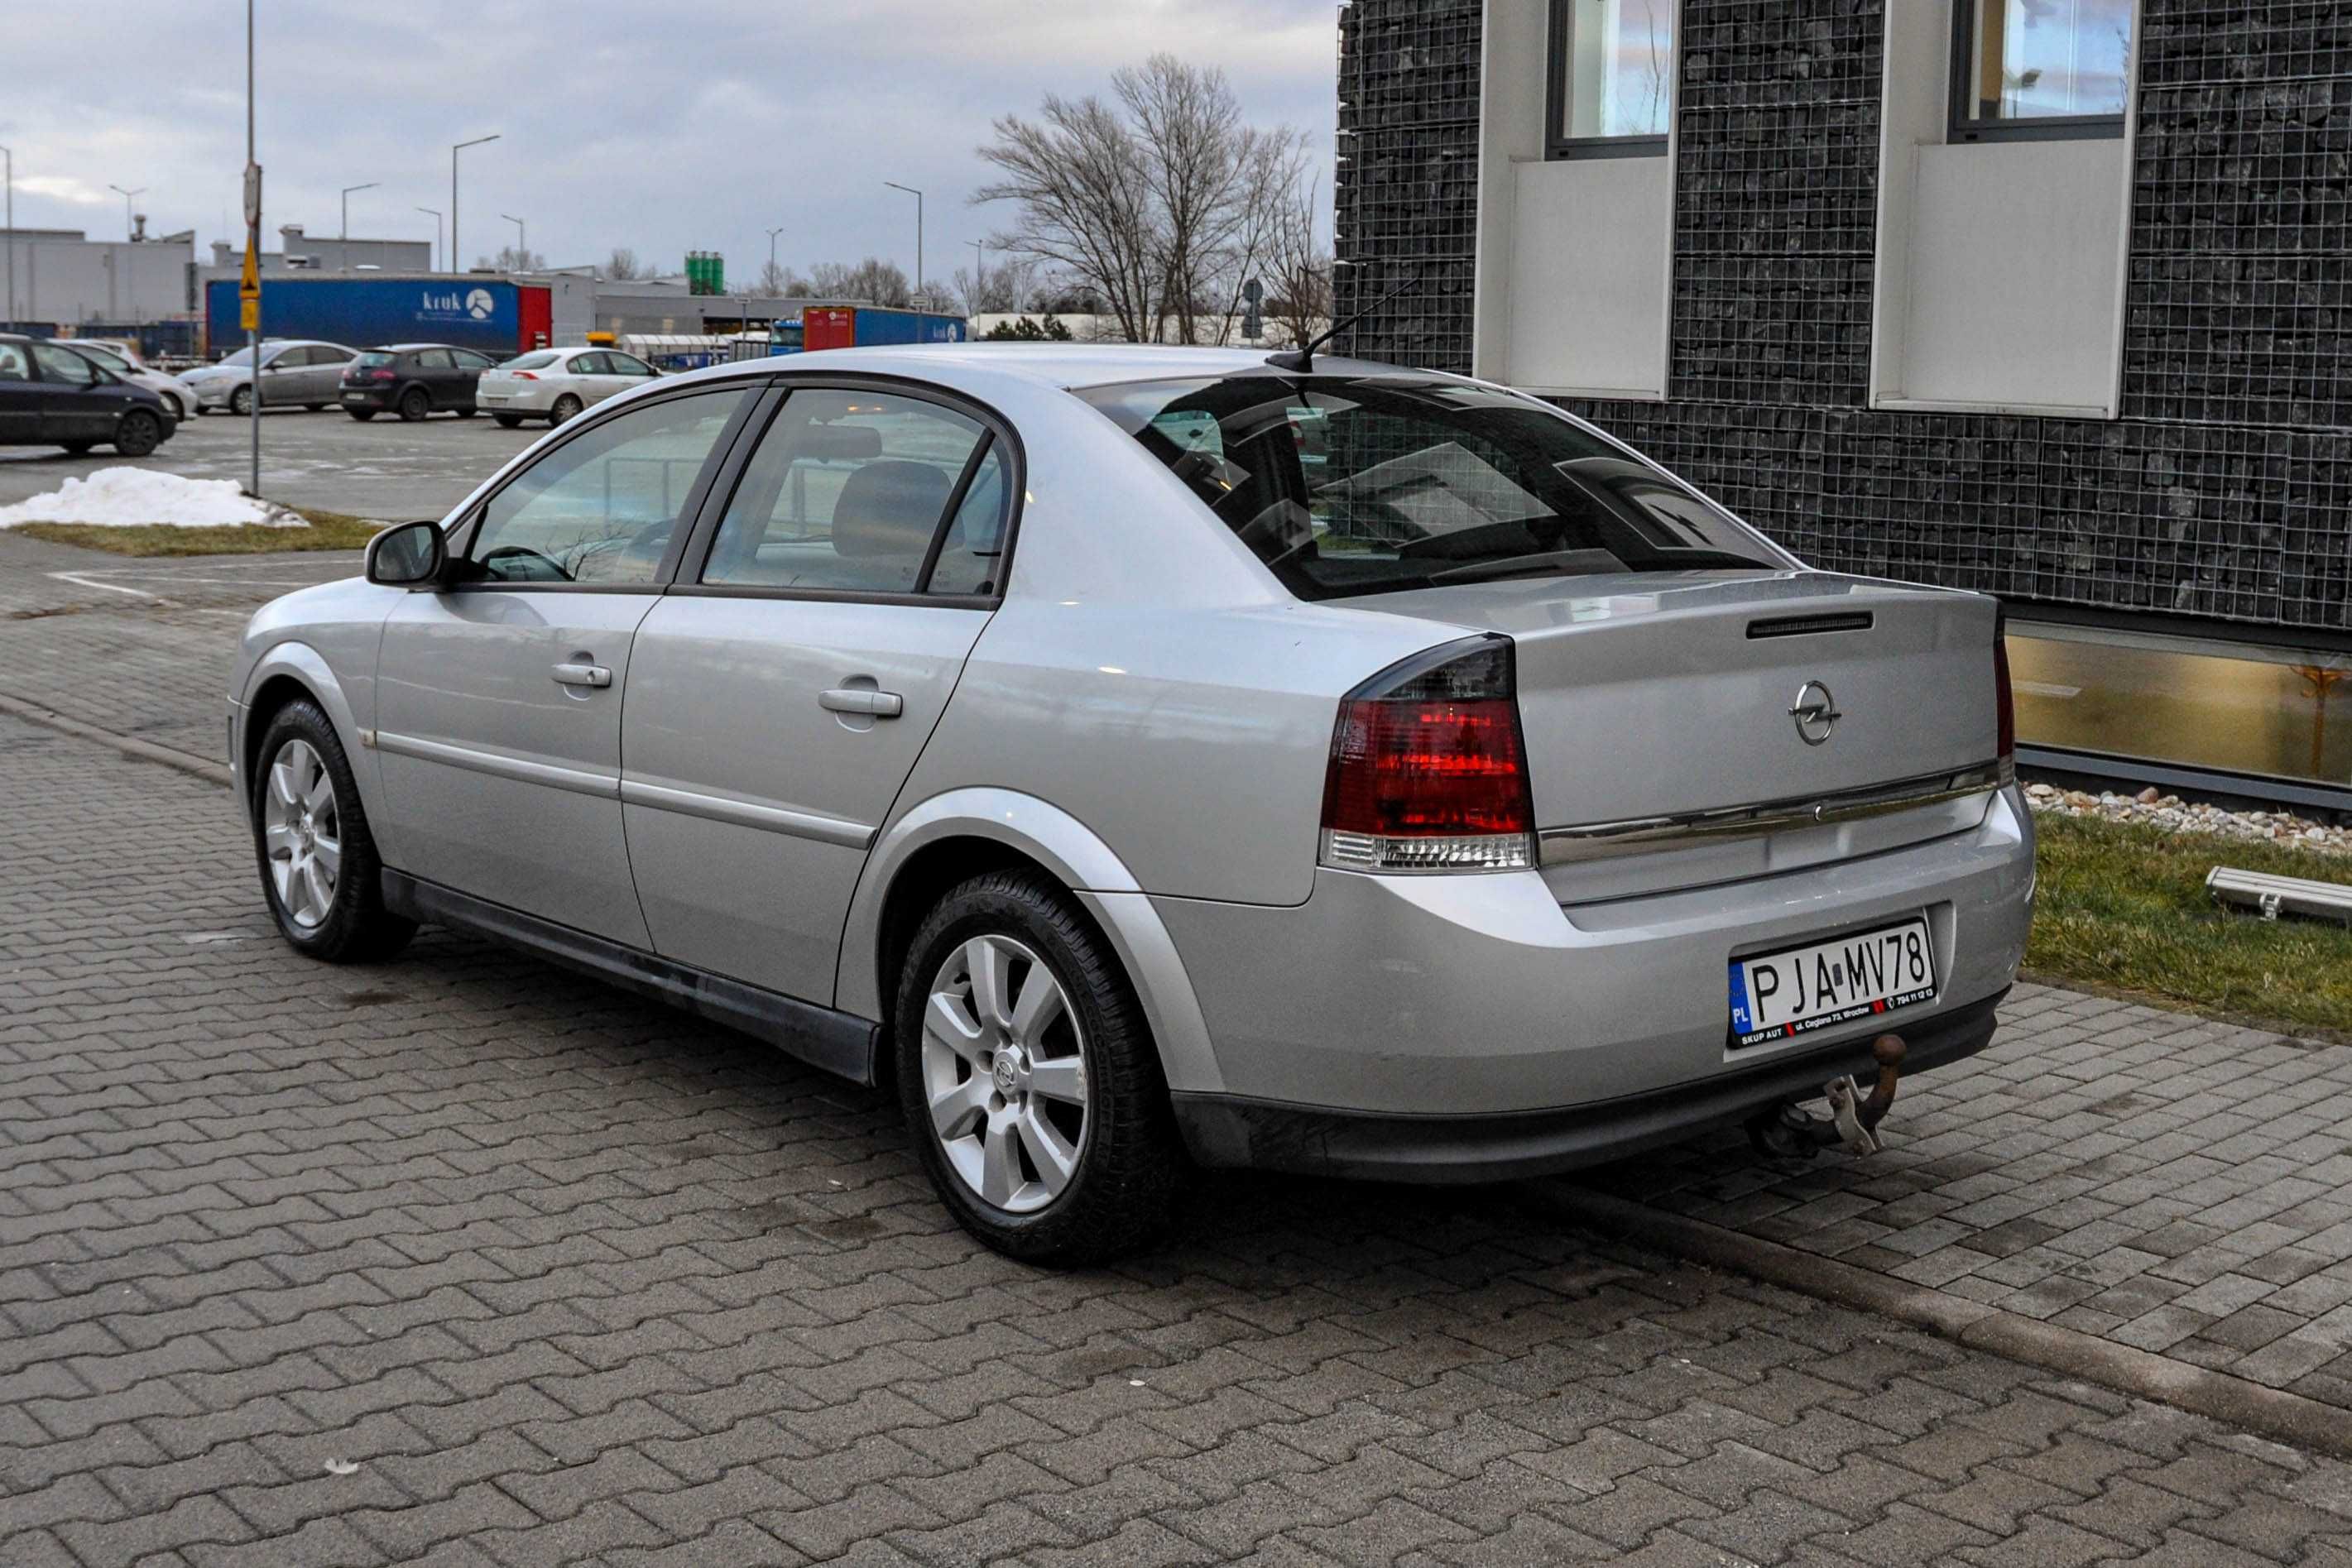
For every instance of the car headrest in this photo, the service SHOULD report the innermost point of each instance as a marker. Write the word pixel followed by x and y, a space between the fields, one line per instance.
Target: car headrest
pixel 838 444
pixel 889 508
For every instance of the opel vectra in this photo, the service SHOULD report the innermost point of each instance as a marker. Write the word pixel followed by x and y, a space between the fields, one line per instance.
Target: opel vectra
pixel 1149 759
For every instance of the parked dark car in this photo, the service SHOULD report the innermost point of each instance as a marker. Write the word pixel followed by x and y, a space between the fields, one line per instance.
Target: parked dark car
pixel 51 396
pixel 413 379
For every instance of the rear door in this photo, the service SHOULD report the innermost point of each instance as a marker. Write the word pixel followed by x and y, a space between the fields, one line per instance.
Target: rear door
pixel 780 694
pixel 81 403
pixel 498 699
pixel 466 377
pixel 322 375
pixel 436 372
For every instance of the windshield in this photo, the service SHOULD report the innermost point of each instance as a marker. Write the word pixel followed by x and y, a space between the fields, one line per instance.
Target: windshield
pixel 1375 485
pixel 242 357
pixel 107 357
pixel 533 361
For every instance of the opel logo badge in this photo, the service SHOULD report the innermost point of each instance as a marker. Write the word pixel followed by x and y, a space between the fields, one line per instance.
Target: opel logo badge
pixel 1815 712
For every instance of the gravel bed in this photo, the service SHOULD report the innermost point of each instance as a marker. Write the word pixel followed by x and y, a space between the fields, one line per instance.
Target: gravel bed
pixel 2154 810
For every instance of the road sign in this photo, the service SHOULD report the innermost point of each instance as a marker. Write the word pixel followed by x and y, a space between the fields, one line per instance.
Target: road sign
pixel 253 196
pixel 249 314
pixel 248 287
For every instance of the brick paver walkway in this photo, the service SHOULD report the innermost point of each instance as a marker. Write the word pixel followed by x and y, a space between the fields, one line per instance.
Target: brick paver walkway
pixel 463 1259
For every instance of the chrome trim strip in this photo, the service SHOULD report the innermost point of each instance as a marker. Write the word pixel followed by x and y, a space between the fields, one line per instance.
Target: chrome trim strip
pixel 744 814
pixel 573 780
pixel 1654 835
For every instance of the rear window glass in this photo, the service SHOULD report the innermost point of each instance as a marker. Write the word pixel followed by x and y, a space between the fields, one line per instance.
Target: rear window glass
pixel 377 357
pixel 1347 486
pixel 533 361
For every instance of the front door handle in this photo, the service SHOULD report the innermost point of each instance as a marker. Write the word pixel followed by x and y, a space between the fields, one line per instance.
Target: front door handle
pixel 863 699
pixel 582 675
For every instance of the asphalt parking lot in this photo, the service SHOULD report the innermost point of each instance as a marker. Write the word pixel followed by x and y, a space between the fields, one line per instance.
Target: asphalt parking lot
pixel 462 1260
pixel 382 468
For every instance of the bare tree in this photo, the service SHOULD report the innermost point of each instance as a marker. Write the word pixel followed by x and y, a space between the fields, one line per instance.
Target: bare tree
pixel 623 267
pixel 873 280
pixel 512 259
pixel 1001 288
pixel 1298 277
pixel 780 282
pixel 1160 204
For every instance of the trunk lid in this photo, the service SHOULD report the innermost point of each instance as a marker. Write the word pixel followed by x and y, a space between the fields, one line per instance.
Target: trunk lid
pixel 1648 696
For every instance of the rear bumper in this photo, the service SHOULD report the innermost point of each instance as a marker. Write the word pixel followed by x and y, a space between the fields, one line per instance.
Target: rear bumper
pixel 1229 1131
pixel 1459 1027
pixel 367 397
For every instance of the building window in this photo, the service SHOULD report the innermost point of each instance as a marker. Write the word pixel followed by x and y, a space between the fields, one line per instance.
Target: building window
pixel 1612 77
pixel 2027 68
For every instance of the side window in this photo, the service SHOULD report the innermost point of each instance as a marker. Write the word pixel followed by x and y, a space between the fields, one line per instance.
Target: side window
pixel 845 492
pixel 587 365
pixel 627 365
pixel 2028 68
pixel 1612 77
pixel 600 509
pixel 469 360
pixel 63 365
pixel 433 359
pixel 15 365
pixel 974 550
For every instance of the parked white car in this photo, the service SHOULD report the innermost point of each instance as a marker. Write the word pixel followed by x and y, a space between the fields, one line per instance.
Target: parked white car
pixel 178 401
pixel 554 385
pixel 297 371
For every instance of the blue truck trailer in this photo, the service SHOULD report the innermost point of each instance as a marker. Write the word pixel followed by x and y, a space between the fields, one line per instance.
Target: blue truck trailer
pixel 491 314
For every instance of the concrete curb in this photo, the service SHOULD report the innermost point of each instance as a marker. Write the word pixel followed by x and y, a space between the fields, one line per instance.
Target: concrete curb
pixel 130 745
pixel 2271 1412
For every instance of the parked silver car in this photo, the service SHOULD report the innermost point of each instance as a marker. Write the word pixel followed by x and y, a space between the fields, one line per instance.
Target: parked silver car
pixel 1147 757
pixel 296 372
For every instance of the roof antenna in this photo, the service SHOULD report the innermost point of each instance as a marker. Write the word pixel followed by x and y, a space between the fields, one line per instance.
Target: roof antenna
pixel 1303 359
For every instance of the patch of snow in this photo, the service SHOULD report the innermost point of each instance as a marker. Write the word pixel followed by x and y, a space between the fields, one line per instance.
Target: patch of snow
pixel 137 497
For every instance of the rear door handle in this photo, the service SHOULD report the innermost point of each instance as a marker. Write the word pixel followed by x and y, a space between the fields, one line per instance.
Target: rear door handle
pixel 582 675
pixel 865 700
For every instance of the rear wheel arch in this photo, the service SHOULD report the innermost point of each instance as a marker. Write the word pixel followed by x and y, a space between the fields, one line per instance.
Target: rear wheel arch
pixel 964 834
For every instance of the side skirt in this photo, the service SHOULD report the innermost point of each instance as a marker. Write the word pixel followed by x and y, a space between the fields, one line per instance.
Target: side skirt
pixel 835 1042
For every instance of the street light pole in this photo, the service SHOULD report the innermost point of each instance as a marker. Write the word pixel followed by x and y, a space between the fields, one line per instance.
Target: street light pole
pixel 771 255
pixel 436 233
pixel 978 270
pixel 252 246
pixel 918 230
pixel 343 236
pixel 522 242
pixel 126 207
pixel 460 147
pixel 9 154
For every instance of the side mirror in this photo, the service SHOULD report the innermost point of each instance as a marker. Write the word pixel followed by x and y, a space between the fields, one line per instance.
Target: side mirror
pixel 408 554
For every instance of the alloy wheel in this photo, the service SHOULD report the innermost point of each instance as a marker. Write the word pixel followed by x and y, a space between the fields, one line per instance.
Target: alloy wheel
pixel 302 831
pixel 1004 1073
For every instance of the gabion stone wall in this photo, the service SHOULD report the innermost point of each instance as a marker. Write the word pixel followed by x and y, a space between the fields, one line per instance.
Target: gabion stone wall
pixel 2224 491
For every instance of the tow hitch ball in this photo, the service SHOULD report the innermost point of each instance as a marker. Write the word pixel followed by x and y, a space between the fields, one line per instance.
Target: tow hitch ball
pixel 1787 1133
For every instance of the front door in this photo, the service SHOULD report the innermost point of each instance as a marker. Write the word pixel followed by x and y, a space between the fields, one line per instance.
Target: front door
pixel 82 401
pixel 20 397
pixel 781 694
pixel 499 699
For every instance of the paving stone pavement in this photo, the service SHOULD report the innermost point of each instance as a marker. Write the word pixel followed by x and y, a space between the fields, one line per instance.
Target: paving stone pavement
pixel 465 1260
pixel 2166 1183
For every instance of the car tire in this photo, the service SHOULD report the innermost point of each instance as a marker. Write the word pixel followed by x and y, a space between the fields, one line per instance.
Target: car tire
pixel 361 414
pixel 240 401
pixel 508 420
pixel 565 407
pixel 415 404
pixel 1070 1164
pixel 137 434
pixel 337 913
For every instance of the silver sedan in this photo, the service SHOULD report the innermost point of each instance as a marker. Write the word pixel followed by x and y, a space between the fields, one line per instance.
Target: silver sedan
pixel 1142 759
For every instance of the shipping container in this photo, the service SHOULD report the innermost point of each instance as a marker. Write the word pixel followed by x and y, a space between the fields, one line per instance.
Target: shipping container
pixel 491 314
pixel 866 325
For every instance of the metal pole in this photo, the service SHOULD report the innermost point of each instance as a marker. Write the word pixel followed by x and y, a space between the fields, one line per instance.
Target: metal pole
pixel 918 230
pixel 436 233
pixel 344 236
pixel 979 271
pixel 11 159
pixel 454 246
pixel 772 254
pixel 522 242
pixel 127 224
pixel 253 238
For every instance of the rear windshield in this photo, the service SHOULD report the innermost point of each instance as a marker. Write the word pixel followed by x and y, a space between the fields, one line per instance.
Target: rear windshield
pixel 377 357
pixel 533 361
pixel 1347 486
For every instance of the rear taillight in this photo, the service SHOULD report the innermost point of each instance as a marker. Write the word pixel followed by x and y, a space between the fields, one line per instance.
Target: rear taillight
pixel 522 375
pixel 2004 699
pixel 1428 770
pixel 379 375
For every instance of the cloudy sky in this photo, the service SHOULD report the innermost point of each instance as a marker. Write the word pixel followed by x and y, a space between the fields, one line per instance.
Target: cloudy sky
pixel 665 125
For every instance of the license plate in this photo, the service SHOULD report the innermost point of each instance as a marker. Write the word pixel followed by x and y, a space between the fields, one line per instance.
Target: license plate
pixel 1793 992
pixel 357 397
